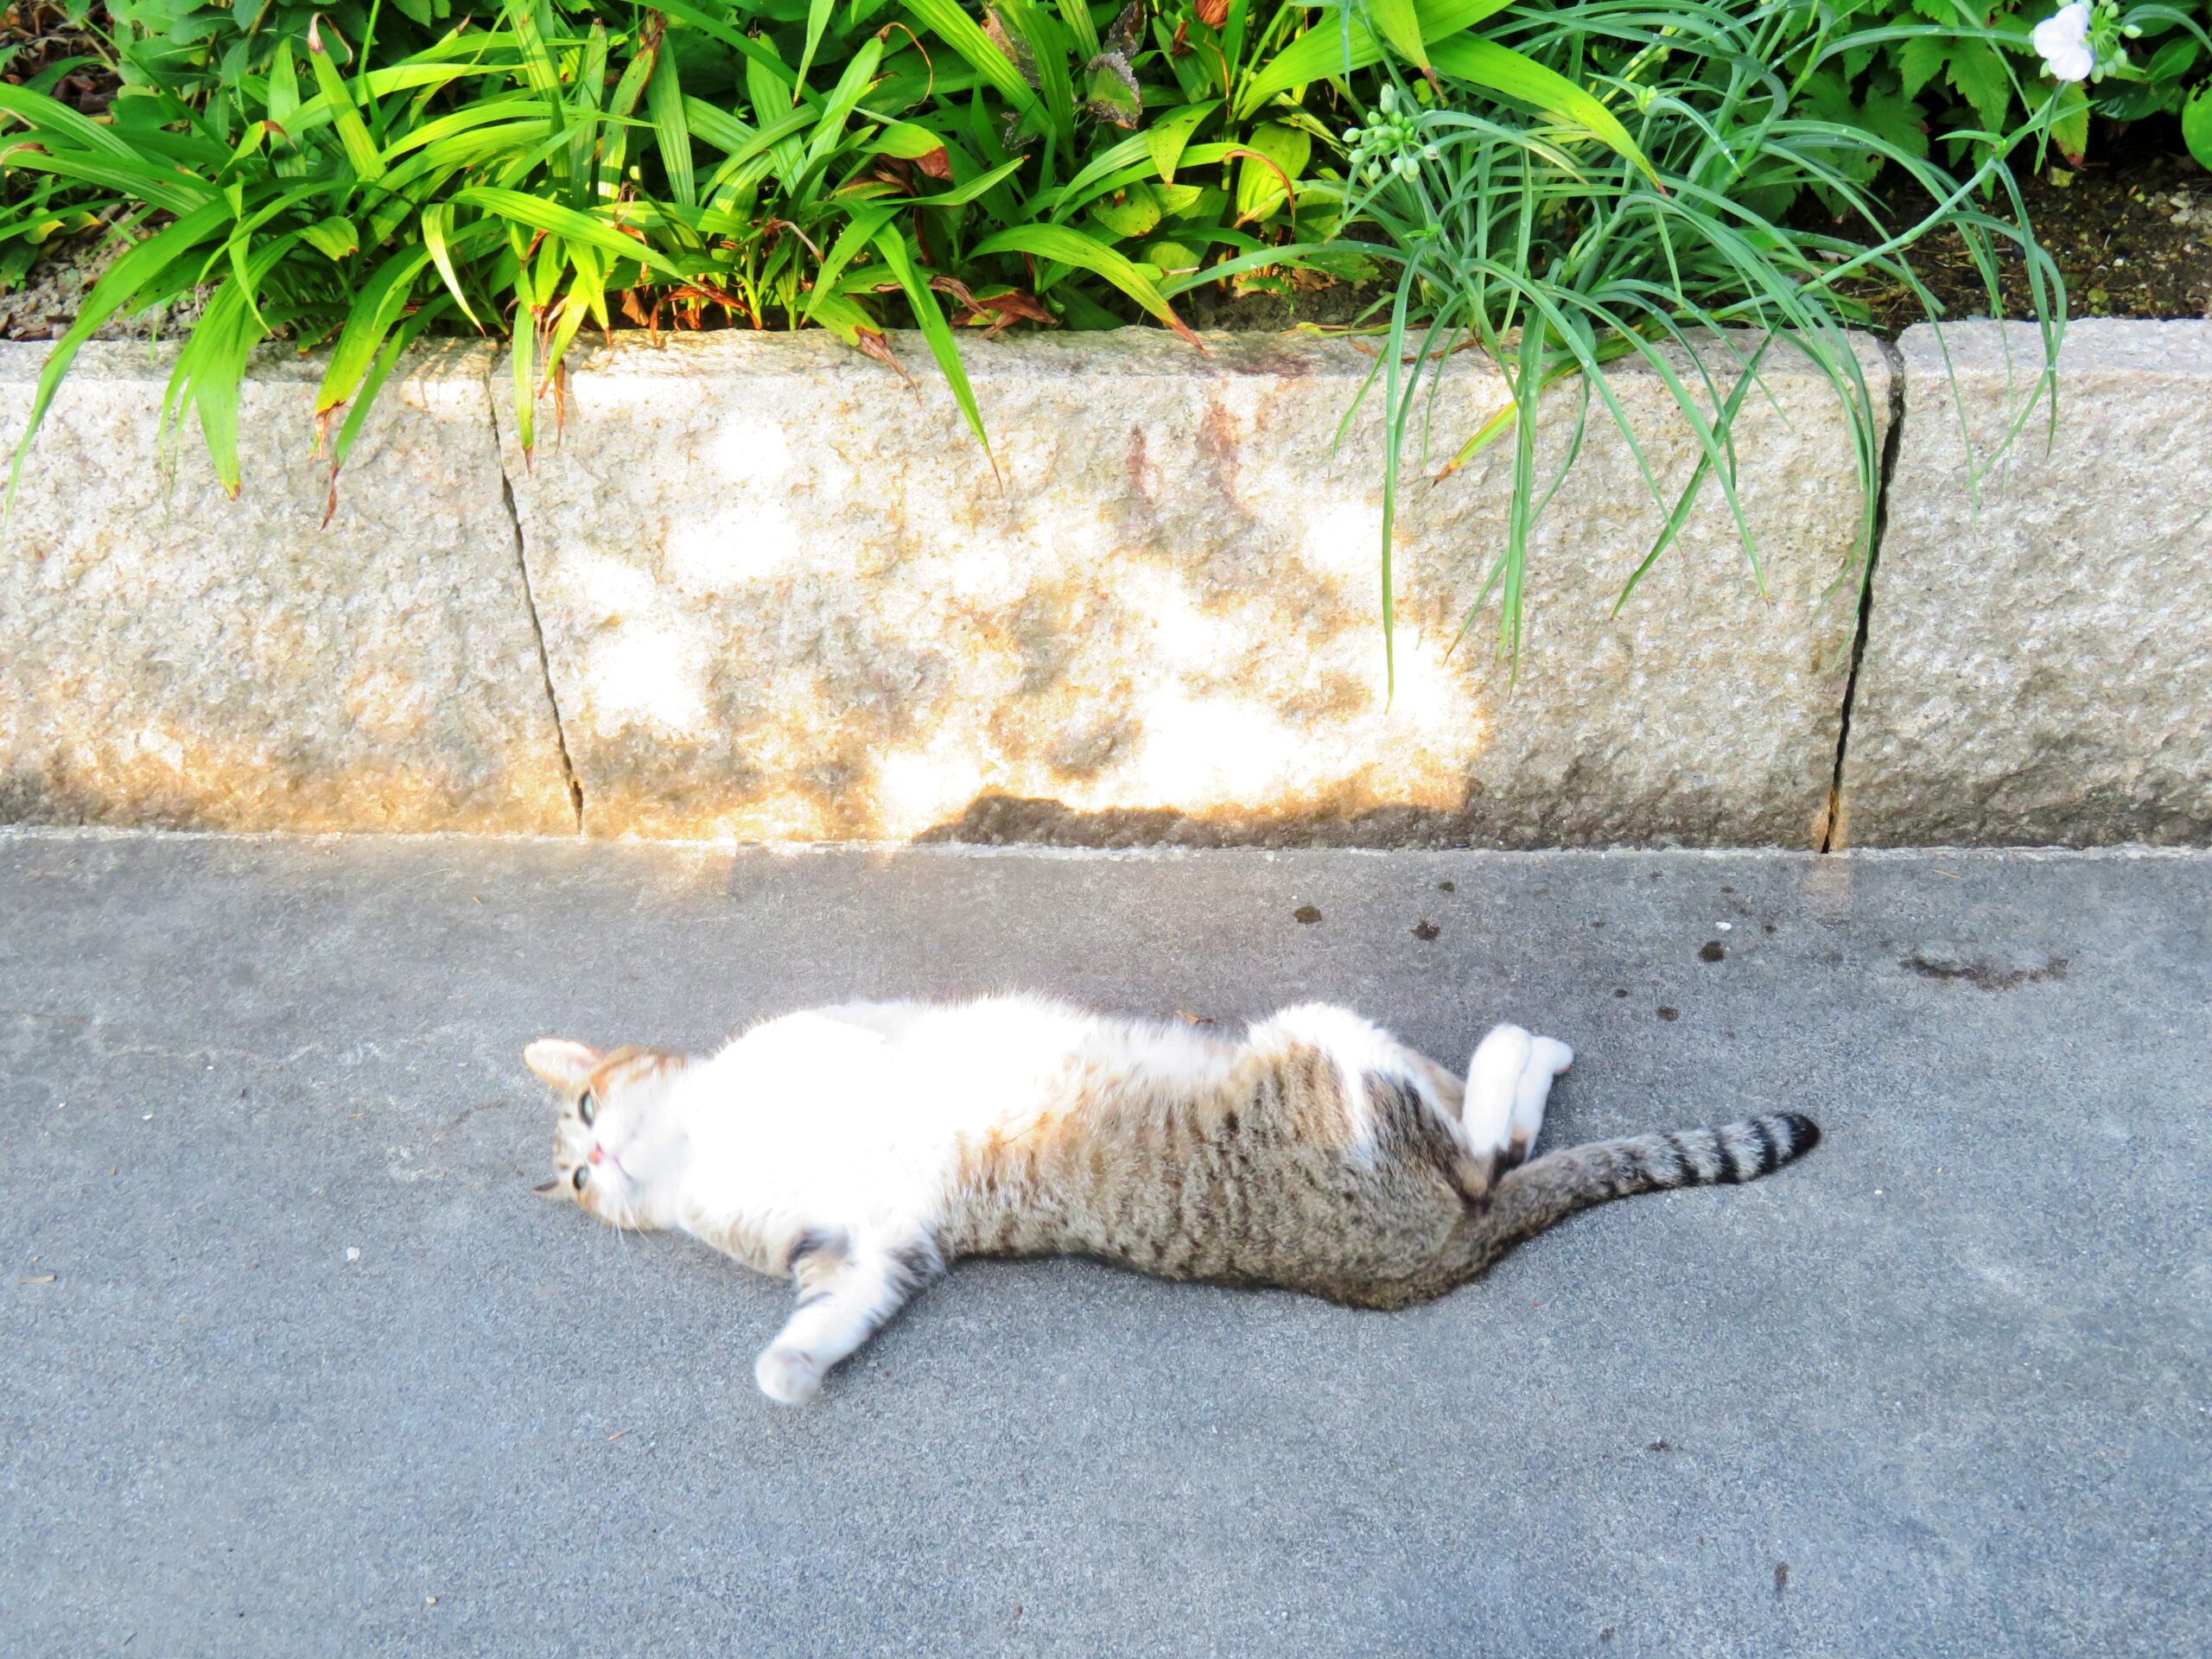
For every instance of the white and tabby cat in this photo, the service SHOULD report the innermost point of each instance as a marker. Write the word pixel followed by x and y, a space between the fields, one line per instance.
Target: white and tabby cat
pixel 859 1149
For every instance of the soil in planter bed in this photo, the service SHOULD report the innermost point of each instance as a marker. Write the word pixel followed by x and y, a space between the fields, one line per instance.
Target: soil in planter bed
pixel 2130 232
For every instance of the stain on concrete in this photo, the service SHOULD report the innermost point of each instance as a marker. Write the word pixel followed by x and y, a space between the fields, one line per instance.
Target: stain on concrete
pixel 1985 971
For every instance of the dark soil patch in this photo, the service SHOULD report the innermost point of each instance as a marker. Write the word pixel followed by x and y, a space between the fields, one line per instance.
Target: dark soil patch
pixel 2130 232
pixel 1334 305
pixel 41 36
pixel 47 302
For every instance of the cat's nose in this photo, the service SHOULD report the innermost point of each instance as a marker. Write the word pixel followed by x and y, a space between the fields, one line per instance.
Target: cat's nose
pixel 595 1157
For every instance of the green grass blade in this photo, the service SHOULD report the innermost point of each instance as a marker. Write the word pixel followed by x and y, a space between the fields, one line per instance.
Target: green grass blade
pixel 817 19
pixel 664 101
pixel 522 367
pixel 382 300
pixel 1165 138
pixel 1400 24
pixel 361 151
pixel 549 216
pixel 929 317
pixel 409 330
pixel 952 25
pixel 434 241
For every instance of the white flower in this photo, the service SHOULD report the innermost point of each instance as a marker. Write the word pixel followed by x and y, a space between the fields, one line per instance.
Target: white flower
pixel 2062 41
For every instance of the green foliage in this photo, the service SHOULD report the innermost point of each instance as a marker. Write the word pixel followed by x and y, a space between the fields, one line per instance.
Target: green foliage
pixel 1964 71
pixel 2196 125
pixel 360 174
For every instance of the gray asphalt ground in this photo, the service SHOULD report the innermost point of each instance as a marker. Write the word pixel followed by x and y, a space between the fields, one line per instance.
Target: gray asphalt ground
pixel 1943 1388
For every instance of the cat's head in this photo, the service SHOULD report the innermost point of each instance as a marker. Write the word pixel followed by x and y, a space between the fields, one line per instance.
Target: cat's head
pixel 619 1142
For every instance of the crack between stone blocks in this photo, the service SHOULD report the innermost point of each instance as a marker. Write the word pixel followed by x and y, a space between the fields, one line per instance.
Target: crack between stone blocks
pixel 1892 441
pixel 538 628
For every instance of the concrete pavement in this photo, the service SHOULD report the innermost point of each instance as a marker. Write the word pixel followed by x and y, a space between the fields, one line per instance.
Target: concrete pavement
pixel 1944 1388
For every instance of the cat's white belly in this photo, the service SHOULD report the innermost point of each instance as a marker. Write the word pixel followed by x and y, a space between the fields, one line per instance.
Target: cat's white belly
pixel 821 1120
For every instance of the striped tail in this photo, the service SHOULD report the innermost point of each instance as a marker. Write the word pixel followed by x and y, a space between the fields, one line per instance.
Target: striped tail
pixel 1544 1192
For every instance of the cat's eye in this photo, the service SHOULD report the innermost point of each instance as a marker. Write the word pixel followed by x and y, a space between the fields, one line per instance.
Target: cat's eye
pixel 585 1109
pixel 581 1171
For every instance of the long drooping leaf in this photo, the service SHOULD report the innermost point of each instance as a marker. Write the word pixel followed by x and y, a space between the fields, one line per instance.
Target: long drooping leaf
pixel 133 270
pixel 1337 49
pixel 664 99
pixel 550 216
pixel 435 243
pixel 409 329
pixel 375 309
pixel 1073 247
pixel 360 150
pixel 929 318
pixel 1484 63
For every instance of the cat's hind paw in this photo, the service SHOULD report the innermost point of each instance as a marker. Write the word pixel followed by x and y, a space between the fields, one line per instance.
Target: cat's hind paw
pixel 1548 1058
pixel 788 1376
pixel 1493 1075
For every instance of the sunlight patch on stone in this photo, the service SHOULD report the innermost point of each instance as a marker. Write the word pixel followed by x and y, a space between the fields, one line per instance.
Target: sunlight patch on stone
pixel 1345 540
pixel 648 672
pixel 739 541
pixel 610 589
pixel 920 787
pixel 752 450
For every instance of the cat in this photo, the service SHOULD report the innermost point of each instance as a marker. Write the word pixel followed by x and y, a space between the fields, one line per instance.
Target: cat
pixel 859 1149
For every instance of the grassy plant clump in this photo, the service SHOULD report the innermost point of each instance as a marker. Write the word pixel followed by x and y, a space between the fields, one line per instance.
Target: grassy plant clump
pixel 1683 241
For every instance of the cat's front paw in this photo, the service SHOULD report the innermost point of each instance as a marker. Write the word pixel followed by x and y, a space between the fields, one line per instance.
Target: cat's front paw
pixel 788 1376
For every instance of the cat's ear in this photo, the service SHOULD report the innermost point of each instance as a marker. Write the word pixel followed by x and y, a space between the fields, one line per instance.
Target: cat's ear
pixel 561 1063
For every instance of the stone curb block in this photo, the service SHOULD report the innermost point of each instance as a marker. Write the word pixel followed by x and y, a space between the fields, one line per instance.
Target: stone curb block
pixel 179 659
pixel 2038 666
pixel 785 599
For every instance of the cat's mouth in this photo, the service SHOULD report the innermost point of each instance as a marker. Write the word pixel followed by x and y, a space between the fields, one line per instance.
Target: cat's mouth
pixel 602 1156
